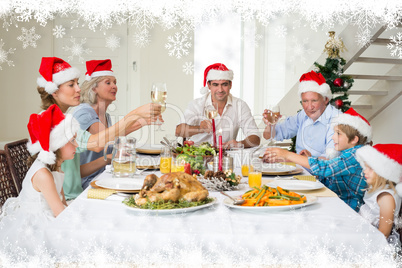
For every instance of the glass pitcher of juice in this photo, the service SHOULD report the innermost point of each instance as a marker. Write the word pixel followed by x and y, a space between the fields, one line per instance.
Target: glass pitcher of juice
pixel 123 156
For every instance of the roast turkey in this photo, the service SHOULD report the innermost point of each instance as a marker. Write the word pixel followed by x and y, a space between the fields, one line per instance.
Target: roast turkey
pixel 171 187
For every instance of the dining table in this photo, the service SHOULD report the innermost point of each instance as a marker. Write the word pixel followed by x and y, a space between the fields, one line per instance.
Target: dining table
pixel 325 232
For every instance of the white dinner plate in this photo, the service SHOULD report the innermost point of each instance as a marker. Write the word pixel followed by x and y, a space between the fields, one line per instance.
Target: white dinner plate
pixel 120 183
pixel 150 149
pixel 171 211
pixel 310 200
pixel 276 167
pixel 147 162
pixel 297 185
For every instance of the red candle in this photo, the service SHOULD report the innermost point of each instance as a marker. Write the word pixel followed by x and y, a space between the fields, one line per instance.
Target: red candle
pixel 214 132
pixel 220 153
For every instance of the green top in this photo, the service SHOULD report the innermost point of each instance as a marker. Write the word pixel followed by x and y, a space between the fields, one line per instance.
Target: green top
pixel 71 168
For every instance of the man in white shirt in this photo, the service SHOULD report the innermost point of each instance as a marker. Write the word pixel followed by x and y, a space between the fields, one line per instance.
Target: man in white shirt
pixel 233 113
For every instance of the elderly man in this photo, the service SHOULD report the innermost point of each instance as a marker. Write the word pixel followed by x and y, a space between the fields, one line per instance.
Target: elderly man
pixel 232 113
pixel 312 124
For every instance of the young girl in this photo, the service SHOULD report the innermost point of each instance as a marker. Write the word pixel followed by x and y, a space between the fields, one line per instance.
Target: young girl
pixel 58 84
pixel 382 165
pixel 25 217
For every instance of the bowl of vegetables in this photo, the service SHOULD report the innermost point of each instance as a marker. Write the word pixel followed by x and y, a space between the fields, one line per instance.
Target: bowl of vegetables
pixel 196 156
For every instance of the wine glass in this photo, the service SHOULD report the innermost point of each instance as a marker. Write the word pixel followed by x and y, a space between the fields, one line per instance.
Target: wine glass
pixel 273 115
pixel 211 113
pixel 159 95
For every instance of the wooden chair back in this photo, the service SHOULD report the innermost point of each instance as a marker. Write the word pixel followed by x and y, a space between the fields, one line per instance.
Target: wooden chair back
pixel 18 156
pixel 7 184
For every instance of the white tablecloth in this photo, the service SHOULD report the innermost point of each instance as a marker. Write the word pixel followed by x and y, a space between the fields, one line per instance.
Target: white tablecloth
pixel 326 232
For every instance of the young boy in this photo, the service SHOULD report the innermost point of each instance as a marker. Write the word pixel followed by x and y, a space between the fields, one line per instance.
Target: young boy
pixel 342 174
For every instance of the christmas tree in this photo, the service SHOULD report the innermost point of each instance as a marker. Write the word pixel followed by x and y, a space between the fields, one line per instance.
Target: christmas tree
pixel 333 73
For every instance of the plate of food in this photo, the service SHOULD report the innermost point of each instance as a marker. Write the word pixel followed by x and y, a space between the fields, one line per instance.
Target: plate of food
pixel 130 184
pixel 163 208
pixel 267 199
pixel 297 185
pixel 150 149
pixel 171 193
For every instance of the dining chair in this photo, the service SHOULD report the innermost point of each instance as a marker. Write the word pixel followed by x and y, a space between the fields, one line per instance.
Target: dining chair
pixel 7 184
pixel 18 154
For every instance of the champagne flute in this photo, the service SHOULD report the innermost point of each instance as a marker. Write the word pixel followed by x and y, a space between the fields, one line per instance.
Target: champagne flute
pixel 159 95
pixel 273 115
pixel 211 113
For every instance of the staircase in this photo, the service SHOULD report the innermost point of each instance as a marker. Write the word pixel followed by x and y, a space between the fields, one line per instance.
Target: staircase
pixel 372 93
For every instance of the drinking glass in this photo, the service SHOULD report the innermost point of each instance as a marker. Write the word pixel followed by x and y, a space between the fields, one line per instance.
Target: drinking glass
pixel 255 176
pixel 246 166
pixel 273 115
pixel 166 160
pixel 211 113
pixel 159 95
pixel 236 151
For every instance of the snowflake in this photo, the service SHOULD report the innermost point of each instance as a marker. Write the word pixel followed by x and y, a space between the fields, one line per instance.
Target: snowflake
pixel 77 49
pixel 300 50
pixel 252 37
pixel 396 45
pixel 113 42
pixel 59 31
pixel 4 55
pixel 281 31
pixel 28 37
pixel 178 45
pixel 142 38
pixel 188 68
pixel 363 38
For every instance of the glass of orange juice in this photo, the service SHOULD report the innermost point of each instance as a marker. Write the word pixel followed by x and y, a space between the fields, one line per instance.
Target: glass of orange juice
pixel 166 160
pixel 177 165
pixel 246 164
pixel 254 174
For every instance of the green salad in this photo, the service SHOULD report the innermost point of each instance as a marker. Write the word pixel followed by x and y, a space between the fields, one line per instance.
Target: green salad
pixel 203 149
pixel 167 205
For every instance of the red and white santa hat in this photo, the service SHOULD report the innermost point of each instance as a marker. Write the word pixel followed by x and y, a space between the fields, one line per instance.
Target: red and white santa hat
pixel 355 120
pixel 54 72
pixel 50 131
pixel 314 82
pixel 385 160
pixel 216 71
pixel 96 68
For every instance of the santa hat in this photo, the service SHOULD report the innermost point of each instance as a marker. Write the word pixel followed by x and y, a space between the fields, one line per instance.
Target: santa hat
pixel 355 120
pixel 96 68
pixel 50 131
pixel 385 160
pixel 314 82
pixel 216 71
pixel 54 72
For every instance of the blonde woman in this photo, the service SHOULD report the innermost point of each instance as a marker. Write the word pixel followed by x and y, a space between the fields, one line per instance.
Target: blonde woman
pixel 58 84
pixel 97 92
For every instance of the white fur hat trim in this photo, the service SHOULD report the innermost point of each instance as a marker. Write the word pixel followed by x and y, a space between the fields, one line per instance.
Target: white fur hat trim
pixel 219 75
pixel 380 163
pixel 355 122
pixel 58 79
pixel 313 86
pixel 97 74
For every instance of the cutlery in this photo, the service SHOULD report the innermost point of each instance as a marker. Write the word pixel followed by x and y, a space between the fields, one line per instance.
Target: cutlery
pixel 170 146
pixel 236 202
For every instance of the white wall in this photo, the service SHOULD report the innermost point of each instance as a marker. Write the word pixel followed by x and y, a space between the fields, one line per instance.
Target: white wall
pixel 387 126
pixel 19 97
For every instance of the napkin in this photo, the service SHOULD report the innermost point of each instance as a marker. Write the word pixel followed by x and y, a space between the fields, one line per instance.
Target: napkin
pixel 305 178
pixel 100 193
